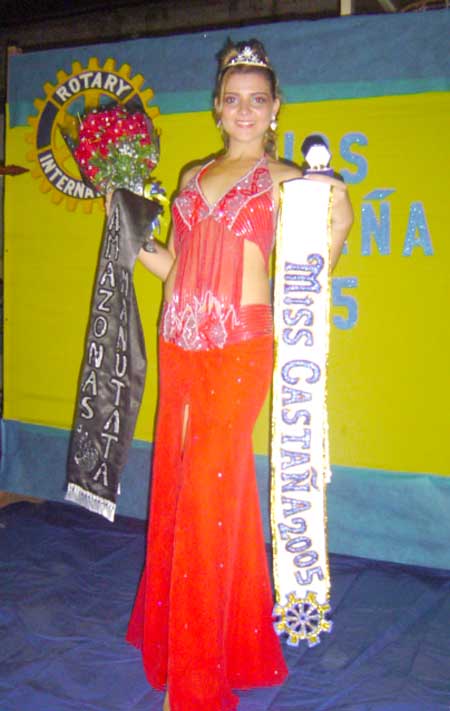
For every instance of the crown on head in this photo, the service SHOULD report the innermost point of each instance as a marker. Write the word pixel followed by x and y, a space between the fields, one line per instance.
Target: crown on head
pixel 248 56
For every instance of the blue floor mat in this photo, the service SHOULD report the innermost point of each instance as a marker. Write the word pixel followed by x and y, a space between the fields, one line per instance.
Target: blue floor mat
pixel 67 584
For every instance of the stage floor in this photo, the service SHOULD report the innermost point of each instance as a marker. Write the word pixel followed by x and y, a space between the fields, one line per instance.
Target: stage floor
pixel 68 580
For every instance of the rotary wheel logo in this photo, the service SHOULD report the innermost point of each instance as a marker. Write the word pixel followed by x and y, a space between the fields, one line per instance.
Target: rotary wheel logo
pixel 302 619
pixel 74 94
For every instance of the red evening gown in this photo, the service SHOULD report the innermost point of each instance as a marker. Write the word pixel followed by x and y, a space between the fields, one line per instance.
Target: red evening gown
pixel 203 612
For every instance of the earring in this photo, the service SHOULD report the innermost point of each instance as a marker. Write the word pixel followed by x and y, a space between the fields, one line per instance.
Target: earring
pixel 219 123
pixel 273 124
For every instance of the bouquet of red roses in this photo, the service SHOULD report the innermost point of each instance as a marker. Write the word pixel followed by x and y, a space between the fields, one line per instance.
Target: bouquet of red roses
pixel 116 148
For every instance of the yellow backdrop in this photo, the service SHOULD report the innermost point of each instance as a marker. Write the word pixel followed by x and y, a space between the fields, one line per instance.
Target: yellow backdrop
pixel 388 379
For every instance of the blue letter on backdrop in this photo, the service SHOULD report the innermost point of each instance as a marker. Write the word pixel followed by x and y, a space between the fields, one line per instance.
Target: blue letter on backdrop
pixel 417 234
pixel 379 227
pixel 353 158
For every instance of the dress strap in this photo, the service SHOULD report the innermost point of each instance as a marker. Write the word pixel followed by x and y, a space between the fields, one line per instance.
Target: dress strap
pixel 193 207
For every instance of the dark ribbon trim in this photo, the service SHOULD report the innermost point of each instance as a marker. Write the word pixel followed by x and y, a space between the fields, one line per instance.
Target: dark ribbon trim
pixel 114 366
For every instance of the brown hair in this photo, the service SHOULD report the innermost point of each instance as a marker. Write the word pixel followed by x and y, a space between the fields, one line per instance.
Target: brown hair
pixel 226 66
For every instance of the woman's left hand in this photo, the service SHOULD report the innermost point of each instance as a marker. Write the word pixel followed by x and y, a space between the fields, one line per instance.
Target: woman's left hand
pixel 108 198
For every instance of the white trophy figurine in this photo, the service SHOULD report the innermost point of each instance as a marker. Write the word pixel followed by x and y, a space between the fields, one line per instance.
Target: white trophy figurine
pixel 317 156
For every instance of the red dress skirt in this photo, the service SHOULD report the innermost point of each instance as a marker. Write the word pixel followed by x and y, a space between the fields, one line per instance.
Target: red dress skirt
pixel 203 612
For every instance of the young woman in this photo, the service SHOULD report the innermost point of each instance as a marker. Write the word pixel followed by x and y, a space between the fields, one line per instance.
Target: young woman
pixel 203 612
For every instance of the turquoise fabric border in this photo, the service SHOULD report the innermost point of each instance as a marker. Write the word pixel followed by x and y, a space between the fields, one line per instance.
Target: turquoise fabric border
pixel 396 516
pixel 191 101
pixel 363 89
pixel 358 56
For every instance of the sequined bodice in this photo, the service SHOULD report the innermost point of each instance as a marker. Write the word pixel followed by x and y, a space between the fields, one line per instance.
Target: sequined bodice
pixel 209 243
pixel 246 208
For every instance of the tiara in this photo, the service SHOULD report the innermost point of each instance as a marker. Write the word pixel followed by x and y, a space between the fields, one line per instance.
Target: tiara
pixel 249 57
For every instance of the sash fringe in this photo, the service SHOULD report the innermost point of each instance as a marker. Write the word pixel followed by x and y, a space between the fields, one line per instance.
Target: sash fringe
pixel 90 501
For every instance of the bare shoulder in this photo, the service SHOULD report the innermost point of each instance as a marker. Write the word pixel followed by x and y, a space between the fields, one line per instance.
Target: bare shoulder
pixel 188 173
pixel 282 170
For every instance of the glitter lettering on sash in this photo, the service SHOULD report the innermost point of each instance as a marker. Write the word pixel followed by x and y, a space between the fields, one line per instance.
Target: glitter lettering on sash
pixel 113 372
pixel 299 459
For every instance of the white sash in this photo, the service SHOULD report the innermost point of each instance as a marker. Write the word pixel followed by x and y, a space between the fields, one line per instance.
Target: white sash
pixel 299 451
